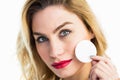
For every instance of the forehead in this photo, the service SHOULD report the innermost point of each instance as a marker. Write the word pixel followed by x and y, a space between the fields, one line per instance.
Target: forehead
pixel 53 16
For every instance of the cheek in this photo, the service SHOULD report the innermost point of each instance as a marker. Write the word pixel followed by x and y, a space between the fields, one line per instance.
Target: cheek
pixel 70 46
pixel 72 42
pixel 43 53
pixel 71 50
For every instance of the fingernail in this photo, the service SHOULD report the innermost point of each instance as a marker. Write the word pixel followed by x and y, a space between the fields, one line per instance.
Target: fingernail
pixel 92 56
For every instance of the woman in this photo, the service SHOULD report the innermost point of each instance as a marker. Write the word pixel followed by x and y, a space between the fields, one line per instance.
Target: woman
pixel 49 27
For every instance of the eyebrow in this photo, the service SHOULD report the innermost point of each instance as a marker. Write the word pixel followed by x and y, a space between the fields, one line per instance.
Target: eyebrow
pixel 58 28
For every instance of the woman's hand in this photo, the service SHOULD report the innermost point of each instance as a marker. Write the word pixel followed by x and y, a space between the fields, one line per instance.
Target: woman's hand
pixel 102 69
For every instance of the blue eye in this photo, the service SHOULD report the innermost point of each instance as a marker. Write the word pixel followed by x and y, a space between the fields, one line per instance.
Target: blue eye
pixel 64 33
pixel 41 39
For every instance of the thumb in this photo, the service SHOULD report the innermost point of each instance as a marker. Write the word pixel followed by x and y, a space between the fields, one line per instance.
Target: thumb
pixel 94 62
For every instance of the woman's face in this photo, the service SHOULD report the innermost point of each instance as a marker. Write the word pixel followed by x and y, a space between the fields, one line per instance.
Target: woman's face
pixel 57 32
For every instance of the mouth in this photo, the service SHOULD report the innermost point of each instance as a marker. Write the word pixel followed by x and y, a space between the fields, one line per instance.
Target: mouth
pixel 61 64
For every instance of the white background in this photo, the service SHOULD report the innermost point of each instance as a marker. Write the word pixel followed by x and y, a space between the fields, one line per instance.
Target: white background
pixel 106 11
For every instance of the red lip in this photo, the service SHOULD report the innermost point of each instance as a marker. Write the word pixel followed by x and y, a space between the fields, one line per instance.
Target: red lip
pixel 61 64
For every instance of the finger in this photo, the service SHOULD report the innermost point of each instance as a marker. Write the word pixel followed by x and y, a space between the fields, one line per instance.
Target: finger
pixel 98 58
pixel 95 74
pixel 104 68
pixel 106 60
pixel 111 68
pixel 106 71
pixel 94 62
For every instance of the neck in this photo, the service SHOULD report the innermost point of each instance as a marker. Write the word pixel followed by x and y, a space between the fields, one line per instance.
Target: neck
pixel 82 74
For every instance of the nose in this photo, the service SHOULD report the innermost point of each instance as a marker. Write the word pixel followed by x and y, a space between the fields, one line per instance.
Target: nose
pixel 56 48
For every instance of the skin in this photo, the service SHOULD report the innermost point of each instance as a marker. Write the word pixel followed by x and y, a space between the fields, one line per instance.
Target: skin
pixel 103 69
pixel 56 49
pixel 57 32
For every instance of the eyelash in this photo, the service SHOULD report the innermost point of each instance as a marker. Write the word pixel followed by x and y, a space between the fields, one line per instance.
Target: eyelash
pixel 63 33
pixel 43 38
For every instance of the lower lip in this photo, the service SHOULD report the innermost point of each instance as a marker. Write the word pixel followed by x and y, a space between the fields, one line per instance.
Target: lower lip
pixel 62 65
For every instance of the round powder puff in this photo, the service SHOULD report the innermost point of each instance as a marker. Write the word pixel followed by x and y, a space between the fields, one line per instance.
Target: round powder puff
pixel 84 50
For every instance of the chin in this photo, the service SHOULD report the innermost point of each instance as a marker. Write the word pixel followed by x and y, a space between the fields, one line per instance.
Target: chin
pixel 65 74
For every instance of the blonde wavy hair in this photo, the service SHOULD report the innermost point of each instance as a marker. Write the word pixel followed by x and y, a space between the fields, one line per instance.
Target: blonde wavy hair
pixel 32 65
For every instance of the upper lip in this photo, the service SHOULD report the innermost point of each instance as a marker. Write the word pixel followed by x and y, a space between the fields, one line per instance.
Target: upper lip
pixel 61 62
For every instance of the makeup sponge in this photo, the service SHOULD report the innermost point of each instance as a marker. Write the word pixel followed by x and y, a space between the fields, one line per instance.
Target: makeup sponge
pixel 84 50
